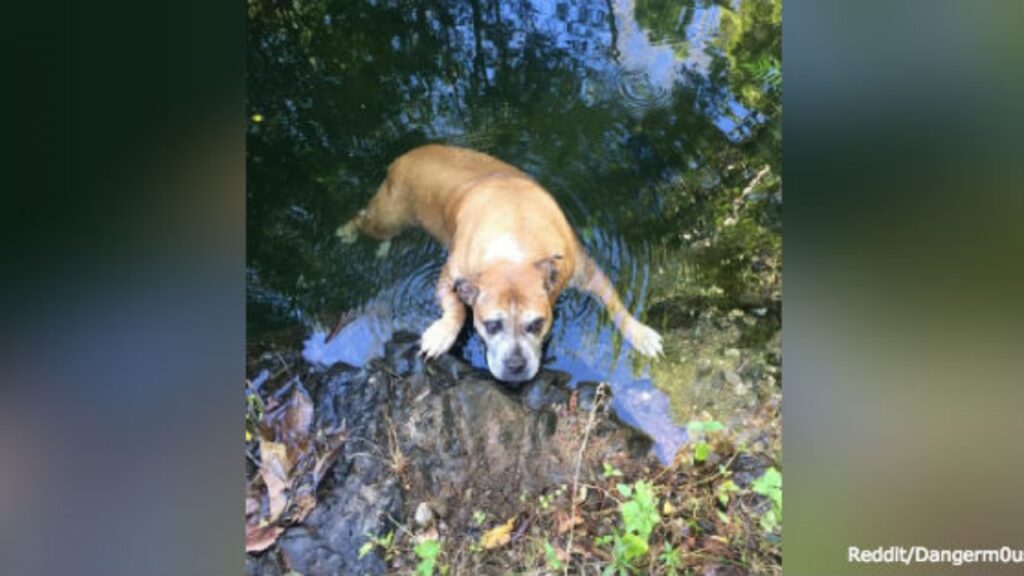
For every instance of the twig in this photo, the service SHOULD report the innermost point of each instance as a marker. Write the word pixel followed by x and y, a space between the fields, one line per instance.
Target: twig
pixel 598 395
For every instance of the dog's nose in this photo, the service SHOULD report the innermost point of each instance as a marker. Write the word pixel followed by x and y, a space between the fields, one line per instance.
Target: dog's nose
pixel 516 364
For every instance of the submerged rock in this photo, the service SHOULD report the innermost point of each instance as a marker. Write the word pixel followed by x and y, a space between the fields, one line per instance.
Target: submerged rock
pixel 443 433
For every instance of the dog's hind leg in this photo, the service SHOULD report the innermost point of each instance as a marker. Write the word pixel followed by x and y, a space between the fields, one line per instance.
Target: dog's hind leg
pixel 383 218
pixel 589 277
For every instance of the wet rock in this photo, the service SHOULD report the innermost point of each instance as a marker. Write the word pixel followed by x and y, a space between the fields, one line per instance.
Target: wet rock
pixel 440 432
pixel 547 389
pixel 748 467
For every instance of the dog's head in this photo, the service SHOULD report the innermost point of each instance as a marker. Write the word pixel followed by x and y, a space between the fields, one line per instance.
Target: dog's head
pixel 512 309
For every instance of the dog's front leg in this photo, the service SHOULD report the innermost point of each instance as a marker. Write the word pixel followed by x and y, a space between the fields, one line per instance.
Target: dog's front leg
pixel 442 333
pixel 590 278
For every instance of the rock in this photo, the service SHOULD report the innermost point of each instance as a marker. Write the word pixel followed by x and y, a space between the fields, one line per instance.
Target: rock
pixel 441 432
pixel 423 515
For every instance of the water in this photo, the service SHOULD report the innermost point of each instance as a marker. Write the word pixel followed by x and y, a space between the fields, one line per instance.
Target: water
pixel 646 120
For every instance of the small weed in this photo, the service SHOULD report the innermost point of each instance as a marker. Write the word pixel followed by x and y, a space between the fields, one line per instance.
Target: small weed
pixel 610 471
pixel 551 557
pixel 670 560
pixel 386 543
pixel 254 409
pixel 640 512
pixel 699 431
pixel 639 517
pixel 427 551
pixel 724 490
pixel 770 486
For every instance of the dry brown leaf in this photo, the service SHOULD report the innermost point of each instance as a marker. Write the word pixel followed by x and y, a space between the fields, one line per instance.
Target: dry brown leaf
pixel 324 461
pixel 499 536
pixel 565 522
pixel 259 538
pixel 303 504
pixel 298 415
pixel 274 470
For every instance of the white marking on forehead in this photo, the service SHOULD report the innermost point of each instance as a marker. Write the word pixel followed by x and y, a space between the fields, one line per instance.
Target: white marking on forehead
pixel 504 247
pixel 529 315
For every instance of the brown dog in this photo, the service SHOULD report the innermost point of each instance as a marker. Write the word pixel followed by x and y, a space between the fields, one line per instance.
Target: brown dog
pixel 510 253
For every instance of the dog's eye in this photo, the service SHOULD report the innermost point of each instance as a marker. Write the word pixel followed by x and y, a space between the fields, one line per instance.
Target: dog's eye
pixel 492 326
pixel 536 326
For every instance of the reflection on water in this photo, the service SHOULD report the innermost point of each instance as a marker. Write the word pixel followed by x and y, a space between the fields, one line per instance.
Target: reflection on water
pixel 642 118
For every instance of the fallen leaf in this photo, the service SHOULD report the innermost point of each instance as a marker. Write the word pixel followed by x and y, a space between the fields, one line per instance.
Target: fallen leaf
pixel 323 462
pixel 298 415
pixel 259 538
pixel 274 470
pixel 499 536
pixel 565 522
pixel 304 502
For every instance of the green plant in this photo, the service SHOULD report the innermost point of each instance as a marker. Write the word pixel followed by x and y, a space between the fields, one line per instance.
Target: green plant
pixel 640 512
pixel 551 557
pixel 387 543
pixel 625 548
pixel 427 551
pixel 724 490
pixel 254 409
pixel 699 431
pixel 770 486
pixel 639 517
pixel 610 471
pixel 670 560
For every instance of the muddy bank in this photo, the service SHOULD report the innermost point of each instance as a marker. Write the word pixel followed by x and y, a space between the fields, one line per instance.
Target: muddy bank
pixel 439 450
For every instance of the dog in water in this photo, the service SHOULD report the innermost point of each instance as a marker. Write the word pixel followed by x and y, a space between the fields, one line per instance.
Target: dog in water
pixel 511 252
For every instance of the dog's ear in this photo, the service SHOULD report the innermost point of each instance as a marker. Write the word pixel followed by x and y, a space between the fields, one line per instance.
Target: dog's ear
pixel 549 268
pixel 466 290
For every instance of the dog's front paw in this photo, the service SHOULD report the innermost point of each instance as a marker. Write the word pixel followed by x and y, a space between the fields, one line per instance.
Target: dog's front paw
pixel 438 338
pixel 646 340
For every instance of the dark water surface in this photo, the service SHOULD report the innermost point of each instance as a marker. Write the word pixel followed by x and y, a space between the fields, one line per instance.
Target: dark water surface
pixel 654 124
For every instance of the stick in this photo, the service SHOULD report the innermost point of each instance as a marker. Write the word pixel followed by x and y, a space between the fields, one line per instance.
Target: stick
pixel 598 395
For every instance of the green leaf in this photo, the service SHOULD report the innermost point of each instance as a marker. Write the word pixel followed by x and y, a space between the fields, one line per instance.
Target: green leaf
pixel 770 485
pixel 625 489
pixel 610 470
pixel 723 491
pixel 713 426
pixel 701 451
pixel 365 549
pixel 549 553
pixel 633 546
pixel 427 551
pixel 769 521
pixel 640 514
